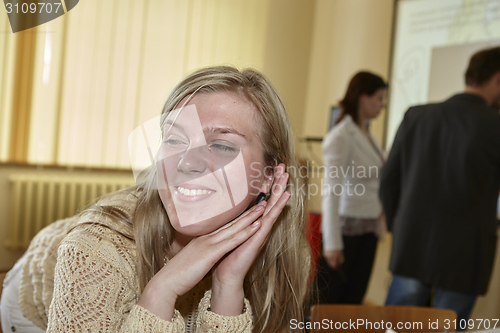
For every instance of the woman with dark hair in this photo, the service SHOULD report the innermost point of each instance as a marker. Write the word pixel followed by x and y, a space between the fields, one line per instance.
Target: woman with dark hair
pixel 351 211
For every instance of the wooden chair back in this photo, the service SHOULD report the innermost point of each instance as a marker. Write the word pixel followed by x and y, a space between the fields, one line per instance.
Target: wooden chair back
pixel 371 319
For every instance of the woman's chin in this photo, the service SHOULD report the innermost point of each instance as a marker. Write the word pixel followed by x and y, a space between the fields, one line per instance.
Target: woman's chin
pixel 194 225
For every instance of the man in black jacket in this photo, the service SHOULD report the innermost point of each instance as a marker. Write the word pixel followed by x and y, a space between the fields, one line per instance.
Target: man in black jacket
pixel 439 189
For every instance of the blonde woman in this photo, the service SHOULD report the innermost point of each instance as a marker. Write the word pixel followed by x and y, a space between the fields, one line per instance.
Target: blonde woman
pixel 193 249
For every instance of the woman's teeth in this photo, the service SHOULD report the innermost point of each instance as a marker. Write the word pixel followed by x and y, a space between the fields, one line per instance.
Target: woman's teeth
pixel 192 192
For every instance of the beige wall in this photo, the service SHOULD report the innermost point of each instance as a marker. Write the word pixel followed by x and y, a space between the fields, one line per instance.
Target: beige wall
pixel 287 54
pixel 348 36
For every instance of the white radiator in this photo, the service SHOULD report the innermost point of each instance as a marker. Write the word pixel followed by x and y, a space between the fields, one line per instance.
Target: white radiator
pixel 38 200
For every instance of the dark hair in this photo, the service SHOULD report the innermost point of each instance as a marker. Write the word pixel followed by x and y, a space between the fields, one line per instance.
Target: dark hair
pixel 482 66
pixel 363 83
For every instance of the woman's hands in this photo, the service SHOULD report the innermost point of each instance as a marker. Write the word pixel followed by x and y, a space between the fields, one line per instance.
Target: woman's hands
pixel 245 235
pixel 194 261
pixel 230 272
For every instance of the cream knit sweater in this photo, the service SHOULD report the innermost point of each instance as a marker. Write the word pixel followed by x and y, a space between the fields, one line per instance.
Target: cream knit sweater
pixel 86 281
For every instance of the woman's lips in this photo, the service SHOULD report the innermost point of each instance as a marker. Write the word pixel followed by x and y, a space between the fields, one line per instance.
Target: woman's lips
pixel 192 193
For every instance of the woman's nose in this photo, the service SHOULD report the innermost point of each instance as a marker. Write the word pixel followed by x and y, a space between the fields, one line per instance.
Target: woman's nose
pixel 195 160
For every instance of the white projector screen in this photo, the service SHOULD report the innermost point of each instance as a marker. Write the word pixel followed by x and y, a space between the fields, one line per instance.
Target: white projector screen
pixel 432 44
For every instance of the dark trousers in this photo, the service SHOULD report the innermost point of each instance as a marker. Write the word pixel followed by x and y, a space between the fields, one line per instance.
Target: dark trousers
pixel 347 285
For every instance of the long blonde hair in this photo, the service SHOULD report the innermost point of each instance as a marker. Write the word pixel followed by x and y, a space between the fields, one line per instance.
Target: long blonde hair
pixel 276 285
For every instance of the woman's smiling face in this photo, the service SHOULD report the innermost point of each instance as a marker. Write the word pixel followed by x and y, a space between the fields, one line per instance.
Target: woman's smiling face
pixel 210 164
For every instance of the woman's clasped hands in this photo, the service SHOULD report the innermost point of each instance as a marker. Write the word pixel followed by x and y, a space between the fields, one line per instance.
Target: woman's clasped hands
pixel 228 252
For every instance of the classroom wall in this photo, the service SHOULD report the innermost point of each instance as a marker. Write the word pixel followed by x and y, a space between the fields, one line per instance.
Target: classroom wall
pixel 287 54
pixel 348 36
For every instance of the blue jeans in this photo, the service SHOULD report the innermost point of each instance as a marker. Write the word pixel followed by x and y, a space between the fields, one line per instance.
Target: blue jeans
pixel 409 291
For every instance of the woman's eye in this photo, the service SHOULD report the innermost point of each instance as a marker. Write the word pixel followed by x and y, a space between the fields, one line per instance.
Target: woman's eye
pixel 224 148
pixel 175 142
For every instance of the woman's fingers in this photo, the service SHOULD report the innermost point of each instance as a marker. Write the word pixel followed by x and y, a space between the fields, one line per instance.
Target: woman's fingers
pixel 242 221
pixel 270 212
pixel 254 244
pixel 238 237
pixel 197 258
pixel 278 187
pixel 272 215
pixel 277 190
pixel 233 268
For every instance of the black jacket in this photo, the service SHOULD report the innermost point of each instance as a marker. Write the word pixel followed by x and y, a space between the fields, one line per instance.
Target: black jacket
pixel 439 189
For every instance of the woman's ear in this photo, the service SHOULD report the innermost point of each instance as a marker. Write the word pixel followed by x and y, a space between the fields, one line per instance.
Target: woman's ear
pixel 361 102
pixel 362 99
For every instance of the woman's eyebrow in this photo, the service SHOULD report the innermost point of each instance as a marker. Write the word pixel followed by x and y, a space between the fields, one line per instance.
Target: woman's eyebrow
pixel 223 130
pixel 173 124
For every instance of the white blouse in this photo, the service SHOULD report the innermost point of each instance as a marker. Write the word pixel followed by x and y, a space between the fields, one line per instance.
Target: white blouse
pixel 351 179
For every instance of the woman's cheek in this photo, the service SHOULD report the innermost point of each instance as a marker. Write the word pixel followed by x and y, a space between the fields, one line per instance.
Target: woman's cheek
pixel 237 180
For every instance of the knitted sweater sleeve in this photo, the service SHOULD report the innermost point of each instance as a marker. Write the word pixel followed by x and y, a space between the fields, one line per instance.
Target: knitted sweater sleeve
pixel 210 322
pixel 95 289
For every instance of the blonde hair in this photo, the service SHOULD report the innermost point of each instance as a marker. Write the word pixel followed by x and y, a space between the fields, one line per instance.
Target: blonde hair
pixel 276 285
